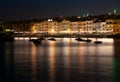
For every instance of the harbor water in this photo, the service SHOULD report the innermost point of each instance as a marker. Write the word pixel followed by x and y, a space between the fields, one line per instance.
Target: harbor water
pixel 63 60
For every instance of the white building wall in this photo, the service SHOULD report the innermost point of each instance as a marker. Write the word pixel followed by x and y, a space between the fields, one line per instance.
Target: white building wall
pixel 99 27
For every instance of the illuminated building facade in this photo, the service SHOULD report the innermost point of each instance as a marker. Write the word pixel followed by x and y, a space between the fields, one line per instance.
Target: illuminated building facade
pixel 65 26
pixel 111 26
pixel 99 27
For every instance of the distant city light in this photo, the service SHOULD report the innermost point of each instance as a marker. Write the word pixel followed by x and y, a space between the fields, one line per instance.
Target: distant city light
pixel 87 14
pixel 50 20
pixel 84 15
pixel 115 11
pixel 8 30
pixel 109 13
pixel 78 17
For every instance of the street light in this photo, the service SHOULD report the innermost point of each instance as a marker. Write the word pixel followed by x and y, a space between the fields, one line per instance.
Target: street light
pixel 33 29
pixel 69 30
pixel 52 31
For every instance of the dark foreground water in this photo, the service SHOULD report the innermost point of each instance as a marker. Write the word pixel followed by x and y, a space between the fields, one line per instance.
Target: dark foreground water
pixel 64 60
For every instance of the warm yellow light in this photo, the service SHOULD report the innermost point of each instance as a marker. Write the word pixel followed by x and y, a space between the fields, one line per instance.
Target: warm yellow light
pixel 69 31
pixel 50 20
pixel 81 31
pixel 52 31
pixel 33 29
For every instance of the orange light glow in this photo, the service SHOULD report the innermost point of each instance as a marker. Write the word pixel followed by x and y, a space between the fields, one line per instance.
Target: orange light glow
pixel 33 29
pixel 69 30
pixel 52 31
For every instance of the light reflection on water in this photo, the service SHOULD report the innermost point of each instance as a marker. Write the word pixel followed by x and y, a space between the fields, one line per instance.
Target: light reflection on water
pixel 51 53
pixel 64 60
pixel 33 63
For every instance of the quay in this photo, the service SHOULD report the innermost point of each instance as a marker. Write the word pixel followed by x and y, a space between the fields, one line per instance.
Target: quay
pixel 66 35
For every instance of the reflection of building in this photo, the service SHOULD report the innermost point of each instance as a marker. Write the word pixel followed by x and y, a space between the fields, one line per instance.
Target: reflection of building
pixel 116 47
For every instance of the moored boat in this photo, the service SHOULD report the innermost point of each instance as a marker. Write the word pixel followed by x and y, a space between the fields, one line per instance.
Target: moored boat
pixel 38 40
pixel 80 39
pixel 88 40
pixel 52 39
pixel 98 42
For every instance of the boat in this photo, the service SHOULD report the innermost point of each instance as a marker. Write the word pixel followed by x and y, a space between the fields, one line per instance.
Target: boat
pixel 88 40
pixel 38 40
pixel 80 39
pixel 31 40
pixel 52 39
pixel 98 42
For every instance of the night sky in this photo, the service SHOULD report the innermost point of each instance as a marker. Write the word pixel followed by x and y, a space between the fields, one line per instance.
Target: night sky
pixel 30 9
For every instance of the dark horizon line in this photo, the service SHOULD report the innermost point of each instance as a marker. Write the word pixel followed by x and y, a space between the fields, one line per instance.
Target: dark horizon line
pixel 37 18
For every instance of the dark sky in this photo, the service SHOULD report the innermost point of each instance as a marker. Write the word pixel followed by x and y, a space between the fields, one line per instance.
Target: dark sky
pixel 30 9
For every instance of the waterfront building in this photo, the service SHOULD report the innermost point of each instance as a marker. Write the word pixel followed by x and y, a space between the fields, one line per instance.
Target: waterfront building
pixel 89 26
pixel 48 26
pixel 85 27
pixel 113 26
pixel 110 26
pixel 82 27
pixel 74 27
pixel 37 28
pixel 65 27
pixel 99 27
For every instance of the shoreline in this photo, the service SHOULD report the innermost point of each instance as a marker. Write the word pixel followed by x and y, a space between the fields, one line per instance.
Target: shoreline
pixel 83 36
pixel 73 36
